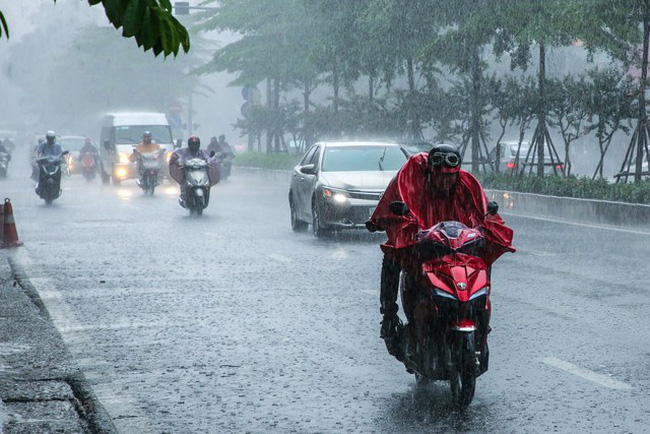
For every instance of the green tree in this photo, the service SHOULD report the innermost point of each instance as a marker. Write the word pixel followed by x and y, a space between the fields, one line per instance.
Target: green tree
pixel 150 22
pixel 609 106
pixel 539 24
pixel 621 27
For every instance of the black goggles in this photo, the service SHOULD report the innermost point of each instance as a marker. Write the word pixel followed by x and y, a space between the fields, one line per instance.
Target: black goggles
pixel 439 158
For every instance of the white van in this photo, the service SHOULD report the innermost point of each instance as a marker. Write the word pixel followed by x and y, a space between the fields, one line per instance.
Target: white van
pixel 121 133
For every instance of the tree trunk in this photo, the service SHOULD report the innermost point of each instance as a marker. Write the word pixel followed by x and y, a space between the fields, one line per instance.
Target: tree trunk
pixel 269 104
pixel 415 130
pixel 306 133
pixel 643 117
pixel 475 123
pixel 335 102
pixel 277 127
pixel 541 116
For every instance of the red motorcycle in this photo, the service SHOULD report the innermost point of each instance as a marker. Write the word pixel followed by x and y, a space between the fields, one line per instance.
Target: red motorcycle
pixel 88 165
pixel 445 291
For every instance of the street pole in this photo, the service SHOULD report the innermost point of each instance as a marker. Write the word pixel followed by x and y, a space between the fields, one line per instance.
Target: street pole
pixel 190 122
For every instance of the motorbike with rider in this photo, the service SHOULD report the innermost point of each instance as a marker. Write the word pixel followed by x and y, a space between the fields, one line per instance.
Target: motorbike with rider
pixel 443 237
pixel 224 155
pixel 49 160
pixel 195 171
pixel 89 159
pixel 148 157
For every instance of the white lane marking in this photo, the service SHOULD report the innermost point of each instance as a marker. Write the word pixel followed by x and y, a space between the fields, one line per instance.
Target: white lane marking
pixel 584 225
pixel 280 258
pixel 603 380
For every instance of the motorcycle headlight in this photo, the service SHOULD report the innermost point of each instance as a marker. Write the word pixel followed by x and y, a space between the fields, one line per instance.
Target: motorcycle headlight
pixel 168 155
pixel 338 196
pixel 480 292
pixel 444 294
pixel 124 158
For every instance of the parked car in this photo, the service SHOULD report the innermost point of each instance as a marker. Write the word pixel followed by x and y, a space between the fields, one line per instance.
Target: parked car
pixel 72 144
pixel 508 161
pixel 337 185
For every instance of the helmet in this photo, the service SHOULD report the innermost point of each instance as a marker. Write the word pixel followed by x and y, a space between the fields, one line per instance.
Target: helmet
pixel 87 141
pixel 50 136
pixel 444 158
pixel 194 143
pixel 222 137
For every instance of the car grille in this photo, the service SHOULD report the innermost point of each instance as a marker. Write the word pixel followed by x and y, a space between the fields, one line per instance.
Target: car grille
pixel 368 195
pixel 359 215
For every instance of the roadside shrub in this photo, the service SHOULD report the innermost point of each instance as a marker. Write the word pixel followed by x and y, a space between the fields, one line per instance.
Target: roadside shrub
pixel 571 186
pixel 280 161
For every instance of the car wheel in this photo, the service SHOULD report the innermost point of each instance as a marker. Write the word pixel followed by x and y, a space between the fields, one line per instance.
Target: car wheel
pixel 317 228
pixel 296 224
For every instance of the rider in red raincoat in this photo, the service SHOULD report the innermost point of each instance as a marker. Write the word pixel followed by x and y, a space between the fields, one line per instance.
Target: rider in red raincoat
pixel 435 189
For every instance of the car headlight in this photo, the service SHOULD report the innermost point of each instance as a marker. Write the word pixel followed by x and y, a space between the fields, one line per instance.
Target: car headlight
pixel 339 196
pixel 124 158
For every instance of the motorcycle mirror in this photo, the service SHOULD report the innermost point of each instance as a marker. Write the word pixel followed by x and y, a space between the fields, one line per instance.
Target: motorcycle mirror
pixel 212 153
pixel 492 207
pixel 399 208
pixel 107 144
pixel 179 143
pixel 65 153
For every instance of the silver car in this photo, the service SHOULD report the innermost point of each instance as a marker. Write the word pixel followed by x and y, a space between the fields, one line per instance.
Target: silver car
pixel 337 185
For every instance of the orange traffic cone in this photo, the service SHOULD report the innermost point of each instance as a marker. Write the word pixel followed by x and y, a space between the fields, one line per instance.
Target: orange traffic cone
pixel 10 236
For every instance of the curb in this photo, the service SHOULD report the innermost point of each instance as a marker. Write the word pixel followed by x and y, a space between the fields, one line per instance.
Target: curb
pixel 89 409
pixel 575 210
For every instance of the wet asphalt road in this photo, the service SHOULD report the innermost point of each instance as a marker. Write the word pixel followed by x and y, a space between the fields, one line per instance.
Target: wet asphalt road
pixel 232 323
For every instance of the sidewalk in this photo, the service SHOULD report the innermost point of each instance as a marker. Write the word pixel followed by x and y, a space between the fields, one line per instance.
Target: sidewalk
pixel 41 388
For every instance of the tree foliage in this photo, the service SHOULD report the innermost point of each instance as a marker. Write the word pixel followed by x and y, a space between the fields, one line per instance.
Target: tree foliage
pixel 149 22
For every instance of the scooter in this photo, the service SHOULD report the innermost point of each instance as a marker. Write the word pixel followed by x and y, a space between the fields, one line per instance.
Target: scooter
pixel 445 290
pixel 197 185
pixel 88 165
pixel 5 157
pixel 48 187
pixel 149 165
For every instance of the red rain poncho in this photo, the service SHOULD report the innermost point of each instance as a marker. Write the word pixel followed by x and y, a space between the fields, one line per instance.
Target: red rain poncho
pixel 466 204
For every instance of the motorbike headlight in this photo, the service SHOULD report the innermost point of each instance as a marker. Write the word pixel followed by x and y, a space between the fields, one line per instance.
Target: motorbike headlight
pixel 168 155
pixel 124 158
pixel 338 196
pixel 444 294
pixel 480 292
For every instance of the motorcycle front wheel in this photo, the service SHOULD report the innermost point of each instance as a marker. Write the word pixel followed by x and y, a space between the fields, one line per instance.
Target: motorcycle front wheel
pixel 463 376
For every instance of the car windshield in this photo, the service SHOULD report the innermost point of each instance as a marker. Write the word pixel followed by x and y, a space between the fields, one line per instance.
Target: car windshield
pixel 417 148
pixel 133 133
pixel 362 158
pixel 72 144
